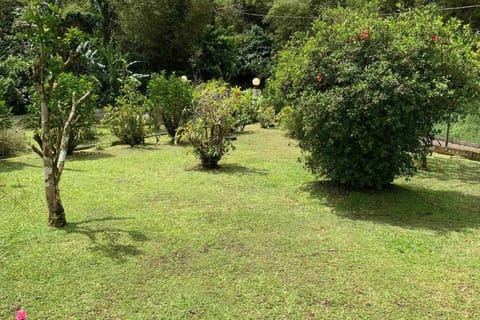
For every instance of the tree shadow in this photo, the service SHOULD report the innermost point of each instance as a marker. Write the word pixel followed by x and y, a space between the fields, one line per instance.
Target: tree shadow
pixel 447 169
pixel 107 240
pixel 409 207
pixel 8 166
pixel 88 156
pixel 230 168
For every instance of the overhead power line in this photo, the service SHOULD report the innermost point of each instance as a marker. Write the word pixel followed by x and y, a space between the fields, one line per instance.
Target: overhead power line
pixel 315 17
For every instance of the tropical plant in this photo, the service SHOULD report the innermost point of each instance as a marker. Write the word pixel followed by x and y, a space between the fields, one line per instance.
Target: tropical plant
pixel 244 110
pixel 127 118
pixel 171 100
pixel 265 113
pixel 212 125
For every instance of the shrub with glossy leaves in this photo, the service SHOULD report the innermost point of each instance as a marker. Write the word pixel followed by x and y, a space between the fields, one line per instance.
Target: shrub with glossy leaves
pixel 171 100
pixel 127 118
pixel 212 124
pixel 367 91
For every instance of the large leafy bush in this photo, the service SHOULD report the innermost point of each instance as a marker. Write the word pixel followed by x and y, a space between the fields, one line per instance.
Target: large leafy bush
pixel 171 100
pixel 212 124
pixel 367 91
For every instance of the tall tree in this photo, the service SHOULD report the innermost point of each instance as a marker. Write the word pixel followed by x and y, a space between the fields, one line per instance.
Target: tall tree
pixel 164 33
pixel 42 24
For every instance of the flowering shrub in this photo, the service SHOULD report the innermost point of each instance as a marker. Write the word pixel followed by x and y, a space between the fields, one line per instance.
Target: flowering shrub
pixel 367 90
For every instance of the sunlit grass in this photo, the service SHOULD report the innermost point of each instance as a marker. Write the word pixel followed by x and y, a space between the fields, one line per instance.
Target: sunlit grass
pixel 467 129
pixel 152 236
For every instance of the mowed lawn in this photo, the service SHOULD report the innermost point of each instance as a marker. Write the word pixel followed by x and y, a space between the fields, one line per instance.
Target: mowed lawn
pixel 152 236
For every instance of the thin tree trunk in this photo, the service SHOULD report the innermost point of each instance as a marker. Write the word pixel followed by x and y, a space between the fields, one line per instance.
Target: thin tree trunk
pixel 56 212
pixel 447 137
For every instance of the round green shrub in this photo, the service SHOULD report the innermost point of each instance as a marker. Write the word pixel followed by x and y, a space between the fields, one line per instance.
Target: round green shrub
pixel 367 91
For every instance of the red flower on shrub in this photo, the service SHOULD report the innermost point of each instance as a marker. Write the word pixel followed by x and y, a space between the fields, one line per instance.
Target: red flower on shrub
pixel 364 34
pixel 434 38
pixel 319 78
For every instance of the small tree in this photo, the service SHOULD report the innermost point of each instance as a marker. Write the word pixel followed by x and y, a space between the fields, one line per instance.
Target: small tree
pixel 368 90
pixel 42 25
pixel 212 124
pixel 60 107
pixel 171 100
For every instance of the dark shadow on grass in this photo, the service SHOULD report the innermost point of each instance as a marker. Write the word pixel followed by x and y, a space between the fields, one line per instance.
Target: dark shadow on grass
pixel 8 166
pixel 231 168
pixel 406 207
pixel 245 132
pixel 107 239
pixel 88 156
pixel 445 169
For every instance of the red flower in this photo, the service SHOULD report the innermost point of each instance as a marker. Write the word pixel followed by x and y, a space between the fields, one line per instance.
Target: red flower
pixel 319 78
pixel 364 34
pixel 434 38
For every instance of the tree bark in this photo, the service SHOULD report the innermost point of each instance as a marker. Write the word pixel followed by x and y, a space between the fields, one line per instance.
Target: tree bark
pixel 56 213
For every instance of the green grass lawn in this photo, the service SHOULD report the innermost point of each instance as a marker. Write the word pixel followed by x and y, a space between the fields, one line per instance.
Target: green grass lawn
pixel 152 236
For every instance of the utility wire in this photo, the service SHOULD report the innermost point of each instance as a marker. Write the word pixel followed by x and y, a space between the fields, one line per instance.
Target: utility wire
pixel 386 14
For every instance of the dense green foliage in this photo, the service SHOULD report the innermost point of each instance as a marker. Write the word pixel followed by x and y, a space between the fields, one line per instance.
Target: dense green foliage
pixel 255 54
pixel 212 124
pixel 5 116
pixel 67 87
pixel 127 118
pixel 245 110
pixel 368 91
pixel 217 56
pixel 15 85
pixel 171 100
pixel 265 113
pixel 164 33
